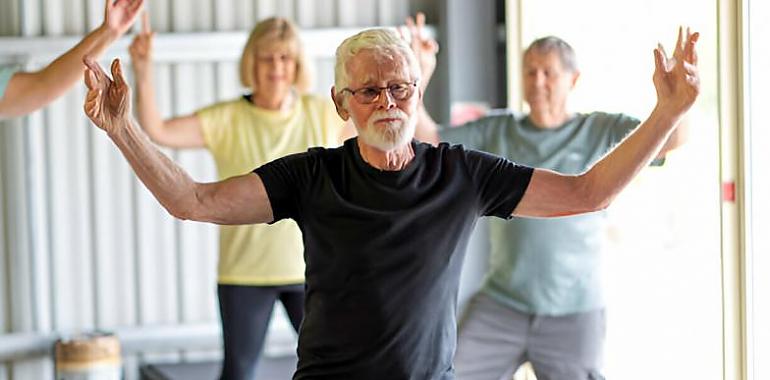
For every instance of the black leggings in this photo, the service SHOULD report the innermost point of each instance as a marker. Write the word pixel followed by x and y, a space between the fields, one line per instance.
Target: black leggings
pixel 246 312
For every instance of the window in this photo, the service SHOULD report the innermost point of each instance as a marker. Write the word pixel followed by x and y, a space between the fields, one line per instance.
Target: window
pixel 757 156
pixel 663 266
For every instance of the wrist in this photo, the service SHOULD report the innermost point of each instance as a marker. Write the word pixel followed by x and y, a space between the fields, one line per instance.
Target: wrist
pixel 109 32
pixel 667 114
pixel 143 75
pixel 121 126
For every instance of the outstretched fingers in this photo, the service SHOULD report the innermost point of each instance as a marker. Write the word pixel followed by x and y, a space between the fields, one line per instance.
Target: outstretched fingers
pixel 135 6
pixel 90 79
pixel 690 54
pixel 660 60
pixel 146 26
pixel 93 103
pixel 100 77
pixel 117 73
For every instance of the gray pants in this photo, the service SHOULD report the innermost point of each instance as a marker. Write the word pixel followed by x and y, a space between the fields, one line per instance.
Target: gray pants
pixel 494 340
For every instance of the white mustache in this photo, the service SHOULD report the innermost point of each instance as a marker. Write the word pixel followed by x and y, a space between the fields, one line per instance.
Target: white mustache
pixel 391 114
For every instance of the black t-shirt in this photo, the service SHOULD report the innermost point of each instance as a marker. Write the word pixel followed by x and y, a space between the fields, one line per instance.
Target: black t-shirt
pixel 384 251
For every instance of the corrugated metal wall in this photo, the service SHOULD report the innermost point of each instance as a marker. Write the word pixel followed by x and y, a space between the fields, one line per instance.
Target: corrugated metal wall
pixel 82 244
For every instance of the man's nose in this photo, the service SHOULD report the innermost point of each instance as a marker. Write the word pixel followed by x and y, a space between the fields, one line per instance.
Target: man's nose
pixel 385 99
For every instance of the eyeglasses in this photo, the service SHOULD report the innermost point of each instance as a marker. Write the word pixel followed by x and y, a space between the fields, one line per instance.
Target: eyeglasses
pixel 369 95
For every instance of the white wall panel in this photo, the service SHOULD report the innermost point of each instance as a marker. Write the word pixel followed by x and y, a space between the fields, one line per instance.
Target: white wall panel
pixel 306 13
pixel 5 287
pixel 94 13
pixel 264 9
pixel 326 13
pixel 285 8
pixel 53 22
pixel 69 194
pixel 357 12
pixel 20 297
pixel 114 232
pixel 244 14
pixel 30 16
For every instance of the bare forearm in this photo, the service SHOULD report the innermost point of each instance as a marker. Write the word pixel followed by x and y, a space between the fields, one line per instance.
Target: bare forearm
pixel 27 92
pixel 678 137
pixel 146 106
pixel 604 181
pixel 62 73
pixel 173 188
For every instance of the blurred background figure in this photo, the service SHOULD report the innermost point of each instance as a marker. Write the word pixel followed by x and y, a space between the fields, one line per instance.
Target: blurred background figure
pixel 258 264
pixel 542 299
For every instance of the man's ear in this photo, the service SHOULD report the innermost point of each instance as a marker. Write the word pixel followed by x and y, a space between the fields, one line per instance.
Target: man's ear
pixel 575 77
pixel 339 104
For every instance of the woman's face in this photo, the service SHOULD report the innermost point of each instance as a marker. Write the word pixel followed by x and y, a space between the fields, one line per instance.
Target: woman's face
pixel 275 69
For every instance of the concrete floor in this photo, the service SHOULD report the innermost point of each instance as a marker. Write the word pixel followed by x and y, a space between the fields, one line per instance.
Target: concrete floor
pixel 270 368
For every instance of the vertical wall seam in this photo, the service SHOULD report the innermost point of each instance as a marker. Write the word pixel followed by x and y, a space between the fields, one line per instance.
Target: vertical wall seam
pixel 29 209
pixel 91 178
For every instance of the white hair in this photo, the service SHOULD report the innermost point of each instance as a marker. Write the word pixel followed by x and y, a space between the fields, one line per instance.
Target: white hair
pixel 382 41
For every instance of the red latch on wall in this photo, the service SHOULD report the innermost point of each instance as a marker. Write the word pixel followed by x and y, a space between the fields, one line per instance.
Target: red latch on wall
pixel 728 191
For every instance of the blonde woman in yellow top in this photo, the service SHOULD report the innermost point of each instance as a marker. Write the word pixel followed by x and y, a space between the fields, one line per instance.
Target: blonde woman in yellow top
pixel 258 264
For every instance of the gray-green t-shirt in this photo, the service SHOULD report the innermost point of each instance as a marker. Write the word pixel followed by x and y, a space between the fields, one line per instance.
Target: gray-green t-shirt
pixel 546 266
pixel 6 72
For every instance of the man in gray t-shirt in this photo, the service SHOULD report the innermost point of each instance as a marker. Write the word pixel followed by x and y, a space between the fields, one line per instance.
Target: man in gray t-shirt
pixel 541 300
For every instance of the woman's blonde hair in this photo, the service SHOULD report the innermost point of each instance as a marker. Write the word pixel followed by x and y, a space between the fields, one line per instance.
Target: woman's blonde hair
pixel 269 31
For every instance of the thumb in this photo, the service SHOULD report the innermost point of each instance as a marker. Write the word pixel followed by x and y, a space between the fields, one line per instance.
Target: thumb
pixel 660 61
pixel 117 72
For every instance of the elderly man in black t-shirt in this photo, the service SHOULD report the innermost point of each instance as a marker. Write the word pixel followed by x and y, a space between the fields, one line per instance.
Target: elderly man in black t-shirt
pixel 386 219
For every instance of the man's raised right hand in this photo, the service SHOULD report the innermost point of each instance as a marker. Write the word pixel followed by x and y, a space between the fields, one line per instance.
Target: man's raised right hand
pixel 108 101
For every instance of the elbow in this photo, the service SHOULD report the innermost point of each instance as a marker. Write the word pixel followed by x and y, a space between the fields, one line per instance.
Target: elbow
pixel 180 212
pixel 186 207
pixel 595 196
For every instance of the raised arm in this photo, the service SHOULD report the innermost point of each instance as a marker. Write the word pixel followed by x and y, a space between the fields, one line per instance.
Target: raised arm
pixel 179 132
pixel 681 133
pixel 27 92
pixel 425 50
pixel 238 200
pixel 677 87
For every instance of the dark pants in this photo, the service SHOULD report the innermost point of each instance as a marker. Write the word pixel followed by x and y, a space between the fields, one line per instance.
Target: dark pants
pixel 245 312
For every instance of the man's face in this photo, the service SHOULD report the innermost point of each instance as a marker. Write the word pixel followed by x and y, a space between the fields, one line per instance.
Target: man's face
pixel 387 122
pixel 547 83
pixel 275 68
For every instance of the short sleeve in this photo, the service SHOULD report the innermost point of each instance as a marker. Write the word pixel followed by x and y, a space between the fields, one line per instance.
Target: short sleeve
pixel 284 179
pixel 622 127
pixel 470 135
pixel 212 118
pixel 500 183
pixel 482 133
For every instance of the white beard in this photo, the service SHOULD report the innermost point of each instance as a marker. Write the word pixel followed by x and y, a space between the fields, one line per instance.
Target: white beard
pixel 388 136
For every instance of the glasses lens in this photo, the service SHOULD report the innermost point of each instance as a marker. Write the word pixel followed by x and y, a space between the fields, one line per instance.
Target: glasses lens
pixel 367 95
pixel 400 91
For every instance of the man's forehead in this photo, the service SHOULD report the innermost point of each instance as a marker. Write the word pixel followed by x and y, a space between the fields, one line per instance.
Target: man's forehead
pixel 369 66
pixel 539 58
